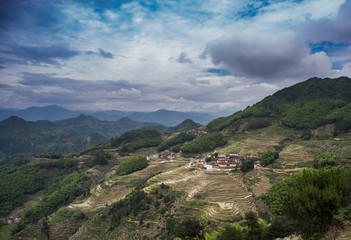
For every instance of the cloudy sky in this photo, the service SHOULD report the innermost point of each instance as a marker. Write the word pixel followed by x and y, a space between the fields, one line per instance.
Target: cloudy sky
pixel 188 55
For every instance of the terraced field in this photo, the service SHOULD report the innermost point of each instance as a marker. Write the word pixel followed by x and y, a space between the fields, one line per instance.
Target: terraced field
pixel 117 187
pixel 259 144
pixel 291 155
pixel 225 193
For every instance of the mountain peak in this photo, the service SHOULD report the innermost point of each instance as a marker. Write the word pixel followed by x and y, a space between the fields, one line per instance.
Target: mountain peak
pixel 14 119
pixel 186 125
pixel 82 117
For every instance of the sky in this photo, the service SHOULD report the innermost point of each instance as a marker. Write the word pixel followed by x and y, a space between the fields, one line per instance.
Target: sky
pixel 214 56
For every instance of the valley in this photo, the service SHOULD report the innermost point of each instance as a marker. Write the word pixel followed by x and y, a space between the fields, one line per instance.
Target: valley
pixel 202 179
pixel 215 196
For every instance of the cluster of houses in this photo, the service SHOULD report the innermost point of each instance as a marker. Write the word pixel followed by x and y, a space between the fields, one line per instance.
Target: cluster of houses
pixel 198 132
pixel 231 161
pixel 213 161
pixel 155 156
pixel 167 155
pixel 12 220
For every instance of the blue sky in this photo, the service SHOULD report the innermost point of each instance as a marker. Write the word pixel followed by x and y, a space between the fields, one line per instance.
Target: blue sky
pixel 206 56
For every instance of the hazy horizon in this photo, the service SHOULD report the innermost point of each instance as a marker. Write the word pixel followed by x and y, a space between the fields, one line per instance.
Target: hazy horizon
pixel 87 111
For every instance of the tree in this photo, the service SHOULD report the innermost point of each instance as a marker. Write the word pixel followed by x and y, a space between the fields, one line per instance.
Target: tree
pixel 279 228
pixel 325 159
pixel 268 157
pixel 100 157
pixel 247 165
pixel 45 228
pixel 278 196
pixel 315 196
pixel 190 228
pixel 232 232
pixel 251 221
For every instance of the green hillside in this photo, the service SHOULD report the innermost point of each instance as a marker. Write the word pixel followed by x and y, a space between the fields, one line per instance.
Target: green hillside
pixel 20 136
pixel 262 173
pixel 306 105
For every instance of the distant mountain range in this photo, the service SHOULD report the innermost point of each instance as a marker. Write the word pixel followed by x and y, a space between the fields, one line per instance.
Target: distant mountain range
pixel 56 113
pixel 85 125
pixel 18 136
pixel 21 136
pixel 50 113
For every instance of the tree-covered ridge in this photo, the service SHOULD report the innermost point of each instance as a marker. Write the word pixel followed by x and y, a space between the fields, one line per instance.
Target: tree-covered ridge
pixel 132 136
pixel 306 105
pixel 133 164
pixel 205 143
pixel 133 140
pixel 178 139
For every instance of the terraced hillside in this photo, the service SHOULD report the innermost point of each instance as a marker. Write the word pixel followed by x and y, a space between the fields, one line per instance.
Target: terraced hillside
pixel 175 187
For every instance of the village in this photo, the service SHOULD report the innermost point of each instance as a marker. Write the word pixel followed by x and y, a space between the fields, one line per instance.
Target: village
pixel 215 162
pixel 211 162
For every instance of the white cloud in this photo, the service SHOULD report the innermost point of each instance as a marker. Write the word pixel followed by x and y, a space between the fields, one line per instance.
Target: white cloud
pixel 268 56
pixel 146 45
pixel 336 29
pixel 127 93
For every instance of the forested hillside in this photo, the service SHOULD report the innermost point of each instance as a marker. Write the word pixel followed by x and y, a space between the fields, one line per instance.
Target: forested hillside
pixel 20 136
pixel 306 105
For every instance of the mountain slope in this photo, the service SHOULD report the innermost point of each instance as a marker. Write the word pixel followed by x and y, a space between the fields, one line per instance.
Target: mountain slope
pixel 85 125
pixel 21 136
pixel 306 105
pixel 111 115
pixel 186 125
pixel 51 113
pixel 158 201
